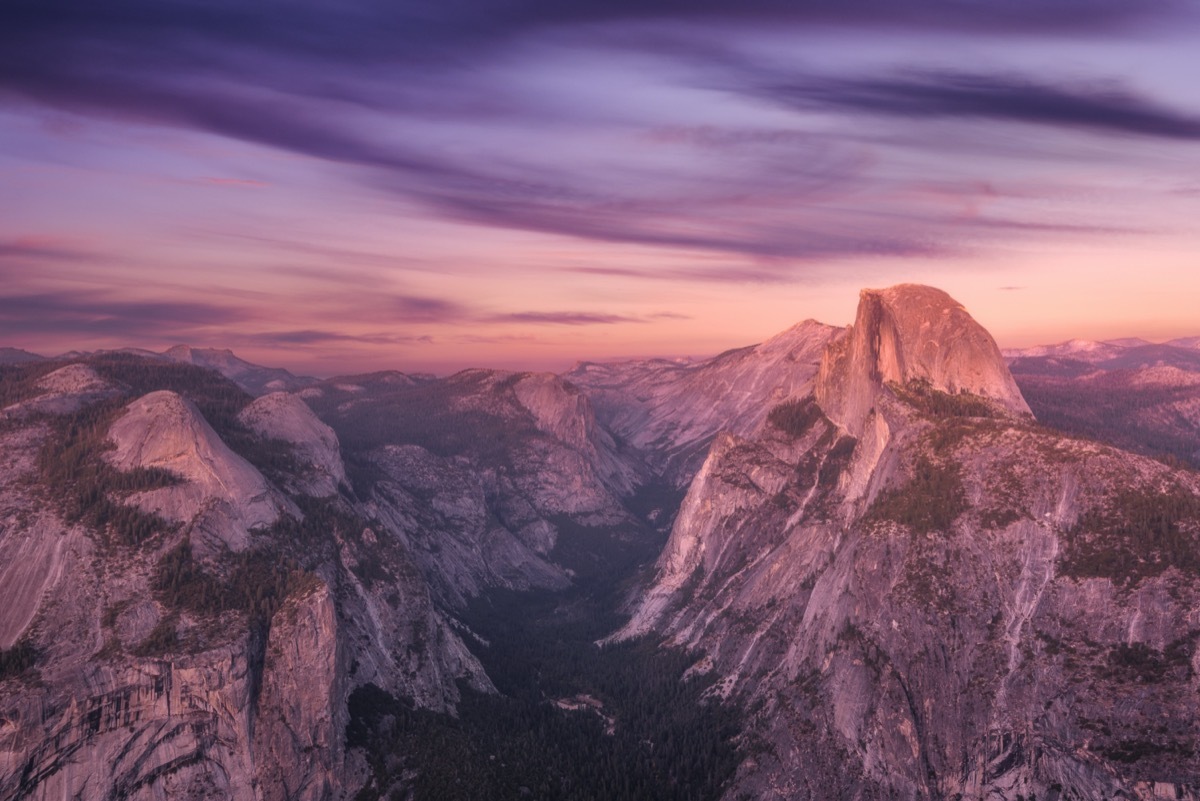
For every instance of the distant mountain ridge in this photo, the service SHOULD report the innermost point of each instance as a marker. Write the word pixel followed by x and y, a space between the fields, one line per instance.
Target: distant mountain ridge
pixel 905 586
pixel 17 356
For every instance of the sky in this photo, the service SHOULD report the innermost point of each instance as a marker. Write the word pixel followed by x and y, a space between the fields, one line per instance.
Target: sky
pixel 356 185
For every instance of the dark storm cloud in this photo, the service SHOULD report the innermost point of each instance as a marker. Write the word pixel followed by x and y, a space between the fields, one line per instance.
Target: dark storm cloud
pixel 1012 98
pixel 97 314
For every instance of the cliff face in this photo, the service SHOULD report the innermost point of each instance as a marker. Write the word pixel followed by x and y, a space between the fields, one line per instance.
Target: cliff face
pixel 946 602
pixel 191 584
pixel 913 591
pixel 174 623
pixel 911 333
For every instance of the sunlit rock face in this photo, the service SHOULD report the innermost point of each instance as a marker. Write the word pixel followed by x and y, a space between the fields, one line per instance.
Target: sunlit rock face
pixel 911 333
pixel 918 594
pixel 219 491
pixel 141 688
pixel 912 591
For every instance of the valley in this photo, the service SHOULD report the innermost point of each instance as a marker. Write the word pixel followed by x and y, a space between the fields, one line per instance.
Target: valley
pixel 884 561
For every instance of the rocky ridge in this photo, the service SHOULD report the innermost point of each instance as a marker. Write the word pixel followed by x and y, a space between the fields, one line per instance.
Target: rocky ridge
pixel 913 590
pixel 177 624
pixel 920 595
pixel 670 411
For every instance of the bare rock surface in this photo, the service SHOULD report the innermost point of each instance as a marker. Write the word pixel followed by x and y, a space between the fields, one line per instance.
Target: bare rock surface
pixel 153 682
pixel 671 410
pixel 286 417
pixel 64 390
pixel 911 333
pixel 951 603
pixel 219 490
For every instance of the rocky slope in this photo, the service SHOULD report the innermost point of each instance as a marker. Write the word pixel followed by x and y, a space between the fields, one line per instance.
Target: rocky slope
pixel 218 495
pixel 919 594
pixel 194 584
pixel 670 411
pixel 493 479
pixel 283 416
pixel 178 619
pixel 911 589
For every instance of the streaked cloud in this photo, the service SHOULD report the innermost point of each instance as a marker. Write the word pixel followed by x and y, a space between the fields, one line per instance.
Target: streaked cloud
pixel 1104 107
pixel 526 173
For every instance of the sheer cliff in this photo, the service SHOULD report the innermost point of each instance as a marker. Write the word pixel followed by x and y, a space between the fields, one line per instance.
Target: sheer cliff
pixel 918 593
pixel 903 586
pixel 193 583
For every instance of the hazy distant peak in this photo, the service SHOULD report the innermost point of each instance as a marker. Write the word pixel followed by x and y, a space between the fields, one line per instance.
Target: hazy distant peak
pixel 911 332
pixel 1083 349
pixel 204 356
pixel 18 356
pixel 253 378
pixel 1191 343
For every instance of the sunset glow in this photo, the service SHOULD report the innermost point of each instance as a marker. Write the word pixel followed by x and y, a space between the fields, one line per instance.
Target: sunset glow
pixel 354 186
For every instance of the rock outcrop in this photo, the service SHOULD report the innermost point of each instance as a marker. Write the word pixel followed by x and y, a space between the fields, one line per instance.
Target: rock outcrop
pixel 922 596
pixel 286 417
pixel 220 494
pixel 911 333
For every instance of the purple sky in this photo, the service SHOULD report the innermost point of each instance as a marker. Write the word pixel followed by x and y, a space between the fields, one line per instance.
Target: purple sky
pixel 426 186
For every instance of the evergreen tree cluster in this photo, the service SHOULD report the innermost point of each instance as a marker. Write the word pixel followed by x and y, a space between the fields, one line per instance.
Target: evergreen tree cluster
pixel 86 488
pixel 257 583
pixel 931 402
pixel 1135 534
pixel 18 382
pixel 930 501
pixel 666 742
pixel 16 660
pixel 795 417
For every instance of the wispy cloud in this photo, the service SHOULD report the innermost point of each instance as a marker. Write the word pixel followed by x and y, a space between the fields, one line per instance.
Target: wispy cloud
pixel 321 337
pixel 98 314
pixel 565 318
pixel 1107 107
pixel 44 248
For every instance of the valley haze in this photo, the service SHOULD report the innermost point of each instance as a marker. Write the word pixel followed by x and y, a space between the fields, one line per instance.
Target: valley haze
pixel 378 420
pixel 884 560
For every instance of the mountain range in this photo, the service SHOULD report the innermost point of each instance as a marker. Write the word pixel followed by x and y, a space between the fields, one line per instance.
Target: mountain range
pixel 880 561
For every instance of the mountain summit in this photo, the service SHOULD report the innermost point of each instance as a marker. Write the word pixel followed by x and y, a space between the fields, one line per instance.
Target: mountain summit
pixel 911 333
